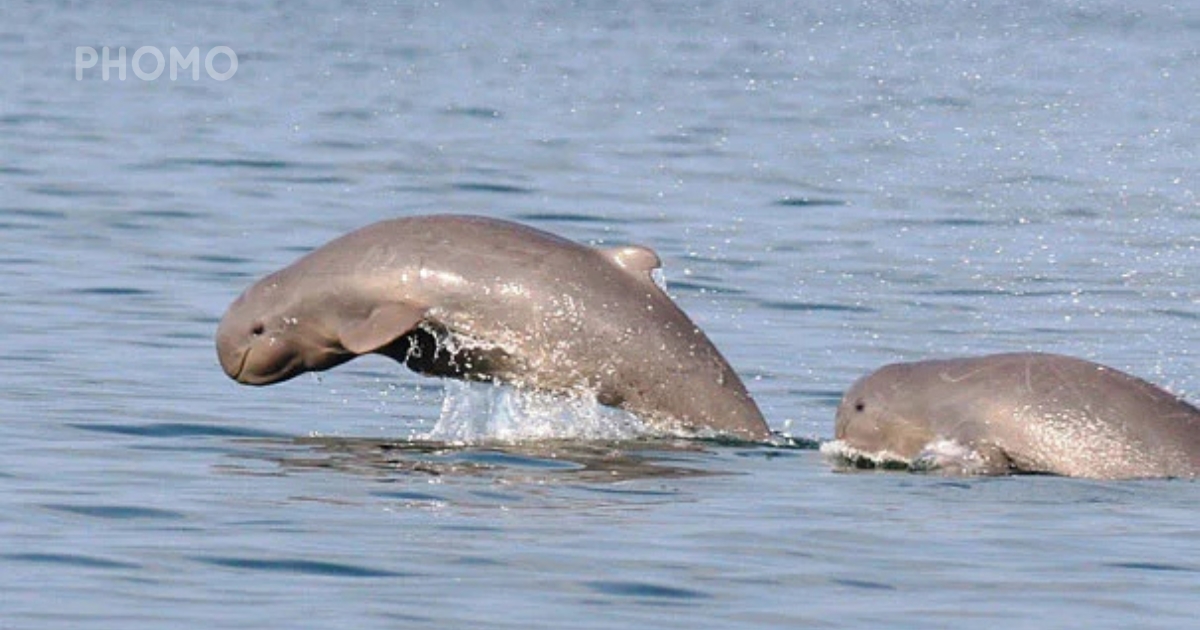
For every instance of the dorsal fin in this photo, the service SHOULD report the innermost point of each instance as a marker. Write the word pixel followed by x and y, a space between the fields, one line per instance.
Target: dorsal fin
pixel 640 262
pixel 634 259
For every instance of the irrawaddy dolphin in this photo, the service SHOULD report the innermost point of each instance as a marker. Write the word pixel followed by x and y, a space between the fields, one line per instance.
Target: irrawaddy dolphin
pixel 1023 412
pixel 484 299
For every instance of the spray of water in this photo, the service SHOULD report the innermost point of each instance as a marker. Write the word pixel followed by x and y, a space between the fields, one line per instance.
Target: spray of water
pixel 942 456
pixel 473 413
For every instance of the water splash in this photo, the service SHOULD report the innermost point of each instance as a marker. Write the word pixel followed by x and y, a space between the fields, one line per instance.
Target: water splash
pixel 481 412
pixel 951 457
pixel 942 456
pixel 659 277
pixel 845 456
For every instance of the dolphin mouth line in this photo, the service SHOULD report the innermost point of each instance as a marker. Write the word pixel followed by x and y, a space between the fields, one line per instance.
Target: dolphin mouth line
pixel 241 367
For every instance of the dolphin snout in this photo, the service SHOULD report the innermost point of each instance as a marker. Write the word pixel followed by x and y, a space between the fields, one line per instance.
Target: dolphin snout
pixel 233 364
pixel 230 352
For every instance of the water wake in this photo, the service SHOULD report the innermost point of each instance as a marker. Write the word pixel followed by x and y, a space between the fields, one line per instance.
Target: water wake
pixel 941 456
pixel 845 456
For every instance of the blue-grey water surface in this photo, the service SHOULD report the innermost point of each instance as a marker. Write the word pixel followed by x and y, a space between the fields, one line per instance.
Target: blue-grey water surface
pixel 832 186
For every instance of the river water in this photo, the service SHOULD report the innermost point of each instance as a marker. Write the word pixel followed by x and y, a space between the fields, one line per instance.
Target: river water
pixel 832 186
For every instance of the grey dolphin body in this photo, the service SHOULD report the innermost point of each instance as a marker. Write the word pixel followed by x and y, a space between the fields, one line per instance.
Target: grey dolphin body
pixel 484 299
pixel 1025 412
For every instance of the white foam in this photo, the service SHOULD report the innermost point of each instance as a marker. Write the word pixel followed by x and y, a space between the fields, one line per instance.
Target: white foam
pixel 948 456
pixel 841 452
pixel 940 455
pixel 482 412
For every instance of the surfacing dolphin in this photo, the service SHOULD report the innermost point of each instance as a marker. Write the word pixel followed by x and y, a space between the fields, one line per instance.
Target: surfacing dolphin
pixel 483 299
pixel 1023 412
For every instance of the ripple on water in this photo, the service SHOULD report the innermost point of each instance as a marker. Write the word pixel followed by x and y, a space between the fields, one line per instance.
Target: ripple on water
pixel 1177 313
pixel 406 495
pixel 514 460
pixel 35 118
pixel 235 163
pixel 1152 566
pixel 560 217
pixel 167 213
pixel 866 585
pixel 116 512
pixel 178 430
pixel 222 259
pixel 300 566
pixel 358 114
pixel 112 291
pixel 645 590
pixel 815 307
pixel 696 286
pixel 487 113
pixel 316 180
pixel 486 187
pixel 809 202
pixel 71 560
pixel 73 190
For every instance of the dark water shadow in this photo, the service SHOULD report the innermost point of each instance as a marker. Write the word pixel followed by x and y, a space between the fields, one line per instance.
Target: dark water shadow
pixel 300 566
pixel 1151 566
pixel 68 561
pixel 645 591
pixel 561 461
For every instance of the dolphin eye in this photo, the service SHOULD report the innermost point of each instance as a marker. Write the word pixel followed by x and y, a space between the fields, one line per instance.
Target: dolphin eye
pixel 860 406
pixel 257 329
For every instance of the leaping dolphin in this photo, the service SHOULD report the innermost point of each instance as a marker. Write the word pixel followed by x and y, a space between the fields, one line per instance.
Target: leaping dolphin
pixel 483 299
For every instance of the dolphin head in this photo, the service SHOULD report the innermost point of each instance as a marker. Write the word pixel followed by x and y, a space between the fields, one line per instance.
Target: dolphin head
pixel 875 415
pixel 271 333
